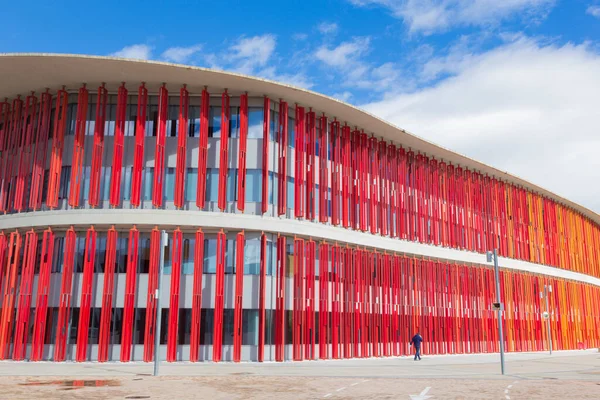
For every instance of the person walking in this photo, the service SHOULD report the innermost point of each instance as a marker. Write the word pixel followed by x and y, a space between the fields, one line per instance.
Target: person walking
pixel 417 340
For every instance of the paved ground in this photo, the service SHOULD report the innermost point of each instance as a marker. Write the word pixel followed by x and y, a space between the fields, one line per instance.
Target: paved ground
pixel 568 375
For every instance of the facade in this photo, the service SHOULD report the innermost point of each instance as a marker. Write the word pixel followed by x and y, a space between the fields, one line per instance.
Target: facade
pixel 299 227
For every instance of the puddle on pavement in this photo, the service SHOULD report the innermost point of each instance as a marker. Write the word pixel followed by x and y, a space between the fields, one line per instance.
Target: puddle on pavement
pixel 74 384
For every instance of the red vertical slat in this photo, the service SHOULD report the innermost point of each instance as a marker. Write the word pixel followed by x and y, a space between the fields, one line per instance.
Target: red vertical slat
pixel 280 317
pixel 243 144
pixel 323 301
pixel 5 143
pixel 24 297
pixel 298 314
pixel 25 153
pixel 299 154
pixel 107 294
pixel 323 175
pixel 219 291
pixel 12 151
pixel 41 306
pixel 151 300
pixel 159 152
pixel 310 165
pixel 138 154
pixel 357 301
pixel 197 296
pixel 41 151
pixel 130 291
pixel 309 290
pixel 64 308
pixel 265 154
pixel 58 137
pixel 239 293
pixel 182 132
pixel 117 161
pixel 86 295
pixel 98 148
pixel 334 132
pixel 173 327
pixel 261 297
pixel 346 175
pixel 224 152
pixel 78 148
pixel 282 139
pixel 8 295
pixel 335 301
pixel 203 149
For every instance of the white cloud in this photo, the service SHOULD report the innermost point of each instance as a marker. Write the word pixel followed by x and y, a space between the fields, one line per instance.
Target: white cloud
pixel 343 96
pixel 180 54
pixel 137 51
pixel 429 16
pixel 327 27
pixel 593 11
pixel 252 52
pixel 345 55
pixel 524 107
pixel 298 79
pixel 299 36
pixel 347 59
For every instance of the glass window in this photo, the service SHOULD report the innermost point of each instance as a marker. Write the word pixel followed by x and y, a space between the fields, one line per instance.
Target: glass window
pixel 169 184
pixel 290 192
pixel 126 182
pixel 232 184
pixel 214 122
pixel 168 256
pixel 253 185
pixel 86 182
pixel 100 254
pixel 148 182
pixel 191 184
pixel 212 184
pixel 194 121
pixel 230 256
pixel 228 326
pixel 255 122
pixel 117 325
pixel 122 243
pixel 65 182
pixel 250 327
pixel 274 123
pixel 210 256
pixel 234 122
pixel 252 256
pixel 139 326
pixel 144 251
pixel 105 182
pixel 187 256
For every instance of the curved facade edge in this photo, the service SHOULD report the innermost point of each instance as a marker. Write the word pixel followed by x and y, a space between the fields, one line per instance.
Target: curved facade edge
pixel 217 220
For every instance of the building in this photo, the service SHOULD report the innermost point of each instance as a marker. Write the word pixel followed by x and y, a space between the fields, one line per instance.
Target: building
pixel 311 230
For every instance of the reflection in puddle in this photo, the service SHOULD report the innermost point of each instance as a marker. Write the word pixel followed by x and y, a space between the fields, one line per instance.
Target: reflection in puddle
pixel 75 384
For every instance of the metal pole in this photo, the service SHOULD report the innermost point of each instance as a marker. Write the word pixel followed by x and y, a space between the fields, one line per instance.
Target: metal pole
pixel 163 243
pixel 548 319
pixel 500 334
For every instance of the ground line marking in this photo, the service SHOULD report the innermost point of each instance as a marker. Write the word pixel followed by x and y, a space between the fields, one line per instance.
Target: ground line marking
pixel 327 395
pixel 340 389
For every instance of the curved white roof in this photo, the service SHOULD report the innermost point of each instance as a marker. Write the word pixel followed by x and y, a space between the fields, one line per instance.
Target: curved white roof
pixel 24 72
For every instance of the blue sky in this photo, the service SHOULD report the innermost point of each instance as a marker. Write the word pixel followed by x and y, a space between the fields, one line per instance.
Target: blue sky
pixel 513 83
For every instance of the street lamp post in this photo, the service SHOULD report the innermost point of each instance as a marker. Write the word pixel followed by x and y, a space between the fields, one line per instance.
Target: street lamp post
pixel 164 238
pixel 493 256
pixel 547 289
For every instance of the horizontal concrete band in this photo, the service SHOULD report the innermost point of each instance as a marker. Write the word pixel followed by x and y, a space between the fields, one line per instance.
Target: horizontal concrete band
pixel 169 219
